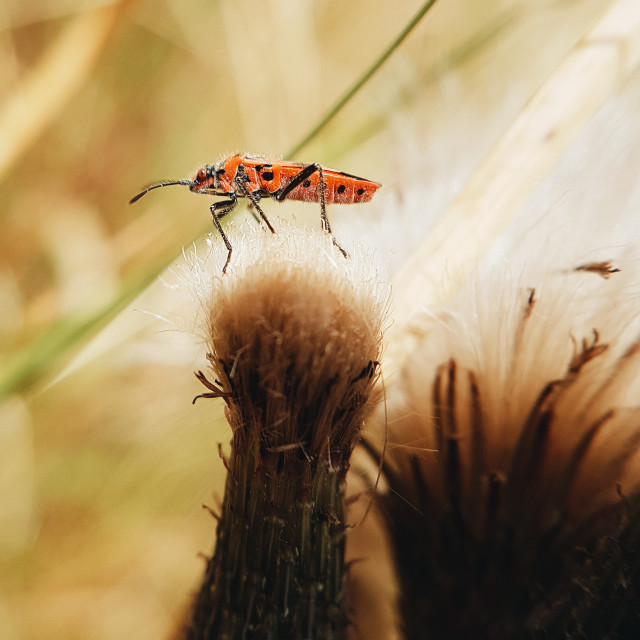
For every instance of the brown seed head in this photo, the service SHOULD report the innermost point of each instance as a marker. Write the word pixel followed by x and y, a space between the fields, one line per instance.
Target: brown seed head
pixel 294 334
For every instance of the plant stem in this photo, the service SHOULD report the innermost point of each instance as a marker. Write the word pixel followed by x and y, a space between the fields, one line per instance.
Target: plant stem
pixel 362 80
pixel 278 568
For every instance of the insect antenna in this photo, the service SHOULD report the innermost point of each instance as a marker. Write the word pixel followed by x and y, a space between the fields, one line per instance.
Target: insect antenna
pixel 156 186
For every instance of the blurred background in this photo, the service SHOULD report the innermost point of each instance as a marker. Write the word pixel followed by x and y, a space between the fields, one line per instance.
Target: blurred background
pixel 104 461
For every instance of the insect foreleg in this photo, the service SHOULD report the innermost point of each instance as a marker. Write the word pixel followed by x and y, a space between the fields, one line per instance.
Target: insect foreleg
pixel 218 210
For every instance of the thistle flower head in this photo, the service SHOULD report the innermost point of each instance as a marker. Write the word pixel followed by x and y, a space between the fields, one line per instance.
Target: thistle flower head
pixel 294 335
pixel 514 446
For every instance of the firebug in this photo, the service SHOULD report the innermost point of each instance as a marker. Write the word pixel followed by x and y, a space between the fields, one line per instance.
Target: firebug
pixel 254 178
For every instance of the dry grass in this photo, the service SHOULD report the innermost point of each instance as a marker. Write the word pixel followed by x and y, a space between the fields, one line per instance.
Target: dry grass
pixel 103 471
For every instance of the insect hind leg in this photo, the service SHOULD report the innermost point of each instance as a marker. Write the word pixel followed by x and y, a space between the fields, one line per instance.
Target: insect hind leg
pixel 308 171
pixel 323 210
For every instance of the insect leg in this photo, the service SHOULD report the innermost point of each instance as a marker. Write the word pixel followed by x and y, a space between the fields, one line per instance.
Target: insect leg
pixel 323 211
pixel 298 180
pixel 242 187
pixel 252 211
pixel 225 206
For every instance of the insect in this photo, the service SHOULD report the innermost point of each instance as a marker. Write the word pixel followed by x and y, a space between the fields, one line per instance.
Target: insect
pixel 254 178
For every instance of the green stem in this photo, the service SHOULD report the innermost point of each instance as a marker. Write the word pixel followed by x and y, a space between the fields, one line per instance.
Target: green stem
pixel 362 80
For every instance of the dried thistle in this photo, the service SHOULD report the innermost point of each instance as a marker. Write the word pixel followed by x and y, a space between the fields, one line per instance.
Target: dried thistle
pixel 514 495
pixel 294 343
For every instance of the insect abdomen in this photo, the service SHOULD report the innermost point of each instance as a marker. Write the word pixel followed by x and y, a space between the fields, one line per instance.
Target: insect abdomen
pixel 340 188
pixel 347 189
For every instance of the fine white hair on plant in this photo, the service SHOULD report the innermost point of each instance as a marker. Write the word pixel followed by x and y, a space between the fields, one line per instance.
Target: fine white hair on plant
pixel 200 276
